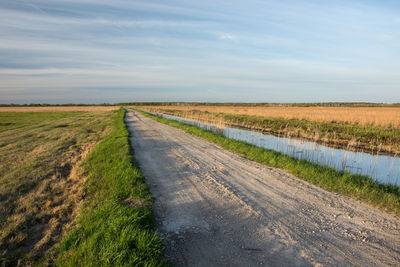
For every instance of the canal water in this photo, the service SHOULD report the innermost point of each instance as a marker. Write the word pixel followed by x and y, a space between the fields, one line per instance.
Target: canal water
pixel 383 168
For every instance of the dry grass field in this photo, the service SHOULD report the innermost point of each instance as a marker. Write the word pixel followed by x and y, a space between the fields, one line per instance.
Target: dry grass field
pixel 58 108
pixel 374 116
pixel 40 182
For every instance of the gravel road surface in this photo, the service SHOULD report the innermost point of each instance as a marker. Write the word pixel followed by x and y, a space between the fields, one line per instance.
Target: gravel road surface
pixel 216 208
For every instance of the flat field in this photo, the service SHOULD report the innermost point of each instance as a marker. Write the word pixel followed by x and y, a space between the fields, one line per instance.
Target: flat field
pixel 58 108
pixel 375 116
pixel 40 185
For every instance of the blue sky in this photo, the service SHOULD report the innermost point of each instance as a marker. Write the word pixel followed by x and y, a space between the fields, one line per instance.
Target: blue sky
pixel 92 51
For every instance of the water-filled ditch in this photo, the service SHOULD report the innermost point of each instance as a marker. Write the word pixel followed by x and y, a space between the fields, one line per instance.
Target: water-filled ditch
pixel 383 168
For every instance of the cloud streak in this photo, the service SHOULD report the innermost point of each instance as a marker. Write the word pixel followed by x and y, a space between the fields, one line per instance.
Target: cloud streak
pixel 302 49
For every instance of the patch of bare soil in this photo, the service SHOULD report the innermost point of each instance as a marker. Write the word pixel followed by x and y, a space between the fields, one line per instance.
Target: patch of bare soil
pixel 215 208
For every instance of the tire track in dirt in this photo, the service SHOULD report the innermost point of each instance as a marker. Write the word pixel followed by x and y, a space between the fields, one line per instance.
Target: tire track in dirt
pixel 215 208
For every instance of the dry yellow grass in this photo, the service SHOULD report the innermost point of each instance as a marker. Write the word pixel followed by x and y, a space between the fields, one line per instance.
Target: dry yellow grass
pixel 376 116
pixel 40 182
pixel 58 108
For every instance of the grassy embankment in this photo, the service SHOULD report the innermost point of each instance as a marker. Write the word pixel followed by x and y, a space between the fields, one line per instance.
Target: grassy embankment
pixel 115 227
pixel 352 136
pixel 386 197
pixel 44 186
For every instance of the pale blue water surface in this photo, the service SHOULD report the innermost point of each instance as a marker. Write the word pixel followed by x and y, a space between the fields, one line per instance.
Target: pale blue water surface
pixel 383 168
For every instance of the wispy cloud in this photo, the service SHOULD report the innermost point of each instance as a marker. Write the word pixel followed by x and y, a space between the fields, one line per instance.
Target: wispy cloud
pixel 43 21
pixel 177 49
pixel 226 36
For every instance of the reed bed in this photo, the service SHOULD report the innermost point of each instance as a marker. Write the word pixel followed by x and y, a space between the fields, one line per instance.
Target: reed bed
pixel 368 116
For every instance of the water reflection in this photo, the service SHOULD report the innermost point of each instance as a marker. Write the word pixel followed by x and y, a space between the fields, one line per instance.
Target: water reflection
pixel 383 168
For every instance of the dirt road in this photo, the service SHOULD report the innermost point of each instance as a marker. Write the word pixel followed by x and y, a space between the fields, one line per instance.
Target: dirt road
pixel 215 208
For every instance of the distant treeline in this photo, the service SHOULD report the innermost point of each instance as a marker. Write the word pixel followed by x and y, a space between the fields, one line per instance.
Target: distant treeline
pixel 326 104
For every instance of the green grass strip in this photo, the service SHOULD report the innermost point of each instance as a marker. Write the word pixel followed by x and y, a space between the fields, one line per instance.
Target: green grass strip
pixel 115 227
pixel 385 197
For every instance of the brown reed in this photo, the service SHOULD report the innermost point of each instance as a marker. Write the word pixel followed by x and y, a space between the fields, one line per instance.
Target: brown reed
pixel 375 116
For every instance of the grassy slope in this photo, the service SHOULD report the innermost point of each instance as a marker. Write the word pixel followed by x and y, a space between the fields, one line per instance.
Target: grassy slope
pixel 37 198
pixel 370 138
pixel 115 226
pixel 386 197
